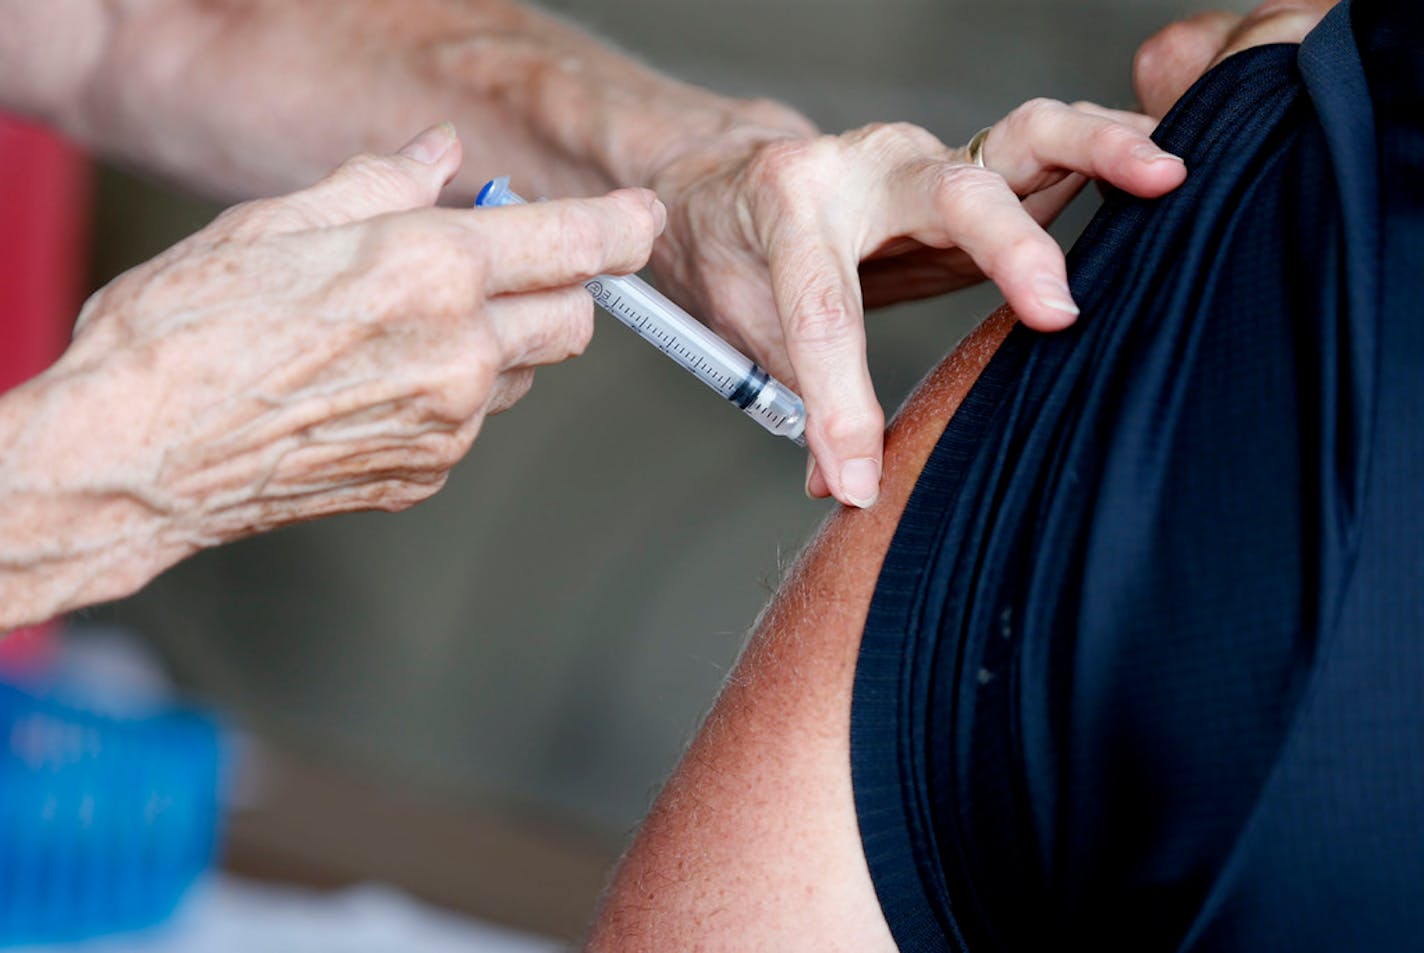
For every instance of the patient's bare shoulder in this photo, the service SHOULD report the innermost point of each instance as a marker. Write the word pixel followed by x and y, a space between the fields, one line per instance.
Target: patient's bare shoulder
pixel 753 843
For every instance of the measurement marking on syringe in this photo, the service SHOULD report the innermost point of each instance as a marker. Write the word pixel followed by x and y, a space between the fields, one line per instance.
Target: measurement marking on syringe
pixel 673 345
pixel 665 326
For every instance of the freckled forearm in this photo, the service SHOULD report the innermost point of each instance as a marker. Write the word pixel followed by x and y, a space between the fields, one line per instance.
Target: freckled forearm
pixel 243 97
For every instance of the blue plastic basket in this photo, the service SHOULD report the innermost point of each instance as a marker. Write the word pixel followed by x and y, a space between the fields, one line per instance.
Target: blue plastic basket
pixel 104 822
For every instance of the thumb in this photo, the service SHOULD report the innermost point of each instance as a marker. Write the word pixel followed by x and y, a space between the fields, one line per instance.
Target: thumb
pixel 368 185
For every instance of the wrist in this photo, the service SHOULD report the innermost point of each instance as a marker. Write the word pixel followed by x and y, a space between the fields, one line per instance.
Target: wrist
pixel 79 523
pixel 599 118
pixel 669 149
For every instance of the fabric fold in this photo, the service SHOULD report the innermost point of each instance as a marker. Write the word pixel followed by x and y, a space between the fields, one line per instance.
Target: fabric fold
pixel 1141 569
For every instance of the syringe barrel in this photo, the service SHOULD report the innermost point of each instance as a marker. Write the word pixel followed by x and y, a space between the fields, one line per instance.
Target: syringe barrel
pixel 689 342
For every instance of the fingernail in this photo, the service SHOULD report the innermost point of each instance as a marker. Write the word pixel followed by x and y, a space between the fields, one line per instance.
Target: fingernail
pixel 660 214
pixel 430 145
pixel 1053 293
pixel 860 482
pixel 810 472
pixel 1153 154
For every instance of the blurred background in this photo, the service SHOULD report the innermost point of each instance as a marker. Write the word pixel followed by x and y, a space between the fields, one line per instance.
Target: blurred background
pixel 477 700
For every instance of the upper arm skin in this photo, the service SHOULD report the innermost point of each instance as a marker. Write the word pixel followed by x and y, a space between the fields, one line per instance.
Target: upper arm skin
pixel 753 843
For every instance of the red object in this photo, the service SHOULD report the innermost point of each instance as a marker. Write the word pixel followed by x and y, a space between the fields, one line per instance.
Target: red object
pixel 44 211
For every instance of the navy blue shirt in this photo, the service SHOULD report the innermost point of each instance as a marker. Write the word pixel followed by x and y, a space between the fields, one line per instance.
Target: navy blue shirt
pixel 1145 664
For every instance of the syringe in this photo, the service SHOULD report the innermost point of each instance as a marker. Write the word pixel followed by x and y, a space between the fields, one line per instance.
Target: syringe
pixel 686 340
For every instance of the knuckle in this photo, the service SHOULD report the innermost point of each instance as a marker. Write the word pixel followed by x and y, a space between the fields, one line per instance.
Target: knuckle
pixel 422 269
pixel 93 306
pixel 395 500
pixel 776 114
pixel 779 166
pixel 392 234
pixel 820 316
pixel 447 449
pixel 449 261
pixel 521 383
pixel 849 426
pixel 452 395
pixel 580 324
pixel 636 220
pixel 569 334
pixel 512 388
pixel 1014 253
pixel 1110 136
pixel 539 341
pixel 380 180
pixel 785 181
pixel 479 368
pixel 358 166
pixel 1034 112
pixel 253 219
pixel 233 217
pixel 579 240
pixel 411 492
pixel 467 386
pixel 897 137
pixel 879 131
pixel 502 349
pixel 1041 106
pixel 408 239
pixel 960 185
pixel 647 226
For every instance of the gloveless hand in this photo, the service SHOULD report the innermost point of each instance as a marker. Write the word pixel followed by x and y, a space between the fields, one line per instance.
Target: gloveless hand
pixel 335 349
pixel 781 244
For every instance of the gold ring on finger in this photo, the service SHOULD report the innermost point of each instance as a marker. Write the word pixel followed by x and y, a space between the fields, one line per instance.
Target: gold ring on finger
pixel 976 146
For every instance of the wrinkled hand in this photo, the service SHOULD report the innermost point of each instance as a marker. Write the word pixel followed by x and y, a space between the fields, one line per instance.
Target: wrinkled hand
pixel 779 245
pixel 338 348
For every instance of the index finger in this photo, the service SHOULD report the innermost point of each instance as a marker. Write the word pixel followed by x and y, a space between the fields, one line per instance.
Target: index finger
pixel 818 297
pixel 566 242
pixel 1039 143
